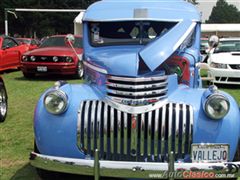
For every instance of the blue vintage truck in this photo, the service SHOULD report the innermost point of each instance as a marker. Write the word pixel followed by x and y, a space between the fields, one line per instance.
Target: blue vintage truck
pixel 141 112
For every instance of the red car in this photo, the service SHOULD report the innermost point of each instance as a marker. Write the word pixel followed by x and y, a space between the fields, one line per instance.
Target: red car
pixel 31 43
pixel 10 53
pixel 54 56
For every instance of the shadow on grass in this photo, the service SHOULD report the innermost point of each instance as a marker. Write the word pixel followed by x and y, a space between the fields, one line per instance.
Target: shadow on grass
pixel 44 77
pixel 28 172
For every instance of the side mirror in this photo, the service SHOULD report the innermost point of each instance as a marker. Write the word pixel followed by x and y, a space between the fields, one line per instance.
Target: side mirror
pixel 213 41
pixel 69 40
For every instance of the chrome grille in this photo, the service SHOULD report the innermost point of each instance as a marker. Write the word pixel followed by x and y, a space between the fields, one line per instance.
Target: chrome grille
pixel 47 59
pixel 135 137
pixel 136 91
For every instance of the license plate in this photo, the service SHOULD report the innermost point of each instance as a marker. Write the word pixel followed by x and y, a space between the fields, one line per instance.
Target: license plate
pixel 210 152
pixel 42 68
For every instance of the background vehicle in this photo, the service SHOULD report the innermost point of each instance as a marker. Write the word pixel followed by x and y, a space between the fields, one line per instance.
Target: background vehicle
pixel 224 62
pixel 31 43
pixel 3 101
pixel 10 53
pixel 54 57
pixel 142 109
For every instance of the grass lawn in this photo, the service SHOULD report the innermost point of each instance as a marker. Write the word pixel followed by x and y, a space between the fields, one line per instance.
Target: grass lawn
pixel 16 133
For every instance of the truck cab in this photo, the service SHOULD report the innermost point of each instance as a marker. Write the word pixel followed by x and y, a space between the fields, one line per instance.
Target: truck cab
pixel 142 109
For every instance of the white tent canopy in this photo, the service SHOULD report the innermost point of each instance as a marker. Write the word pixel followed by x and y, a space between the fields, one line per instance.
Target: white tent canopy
pixel 206 28
pixel 220 27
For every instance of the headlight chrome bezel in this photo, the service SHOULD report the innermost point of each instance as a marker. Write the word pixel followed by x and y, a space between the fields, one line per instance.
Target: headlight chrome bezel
pixel 68 59
pixel 218 98
pixel 33 58
pixel 55 59
pixel 24 58
pixel 58 94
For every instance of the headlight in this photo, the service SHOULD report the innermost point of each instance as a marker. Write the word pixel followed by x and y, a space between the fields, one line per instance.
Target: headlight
pixel 33 58
pixel 24 58
pixel 216 106
pixel 55 59
pixel 218 65
pixel 56 101
pixel 69 59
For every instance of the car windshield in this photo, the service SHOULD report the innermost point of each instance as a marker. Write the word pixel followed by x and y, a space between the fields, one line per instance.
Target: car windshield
pixel 228 46
pixel 126 33
pixel 58 41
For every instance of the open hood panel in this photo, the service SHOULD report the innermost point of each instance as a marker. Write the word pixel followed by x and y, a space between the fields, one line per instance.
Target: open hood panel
pixel 155 53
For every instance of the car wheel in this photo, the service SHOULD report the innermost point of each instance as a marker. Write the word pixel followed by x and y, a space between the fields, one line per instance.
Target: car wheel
pixel 80 70
pixel 28 75
pixel 3 102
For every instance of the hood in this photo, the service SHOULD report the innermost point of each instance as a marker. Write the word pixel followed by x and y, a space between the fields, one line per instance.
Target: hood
pixel 117 61
pixel 51 51
pixel 156 52
pixel 226 58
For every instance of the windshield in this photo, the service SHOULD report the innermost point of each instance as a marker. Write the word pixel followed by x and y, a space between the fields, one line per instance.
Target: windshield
pixel 228 46
pixel 58 41
pixel 126 33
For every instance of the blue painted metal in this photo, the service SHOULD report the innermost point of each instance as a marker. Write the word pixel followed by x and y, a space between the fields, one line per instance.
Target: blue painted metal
pixel 158 51
pixel 57 134
pixel 156 10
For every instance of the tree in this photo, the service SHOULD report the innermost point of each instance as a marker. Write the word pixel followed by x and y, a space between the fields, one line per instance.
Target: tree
pixel 224 13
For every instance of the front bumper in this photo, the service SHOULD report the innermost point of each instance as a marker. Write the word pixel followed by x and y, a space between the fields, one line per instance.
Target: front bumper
pixel 57 68
pixel 225 76
pixel 145 170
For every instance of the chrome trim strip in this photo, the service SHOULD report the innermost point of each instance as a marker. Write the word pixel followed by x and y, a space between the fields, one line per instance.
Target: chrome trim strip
pixel 124 169
pixel 136 86
pixel 86 122
pixel 142 134
pixel 79 125
pixel 184 118
pixel 125 132
pixel 93 125
pixel 135 109
pixel 135 94
pixel 98 69
pixel 105 128
pixel 142 79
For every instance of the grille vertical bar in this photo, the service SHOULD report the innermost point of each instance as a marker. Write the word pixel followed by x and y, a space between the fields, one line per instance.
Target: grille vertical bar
pixel 102 131
pixel 141 137
pixel 115 131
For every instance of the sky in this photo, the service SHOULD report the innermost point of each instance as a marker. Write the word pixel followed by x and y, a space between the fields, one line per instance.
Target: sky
pixel 205 6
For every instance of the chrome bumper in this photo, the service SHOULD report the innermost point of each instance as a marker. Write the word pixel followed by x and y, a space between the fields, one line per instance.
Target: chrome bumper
pixel 145 170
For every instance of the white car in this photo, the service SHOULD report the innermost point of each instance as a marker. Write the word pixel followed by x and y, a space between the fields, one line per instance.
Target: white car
pixel 224 62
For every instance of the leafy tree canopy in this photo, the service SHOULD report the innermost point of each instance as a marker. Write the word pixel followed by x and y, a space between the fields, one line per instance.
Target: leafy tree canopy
pixel 224 13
